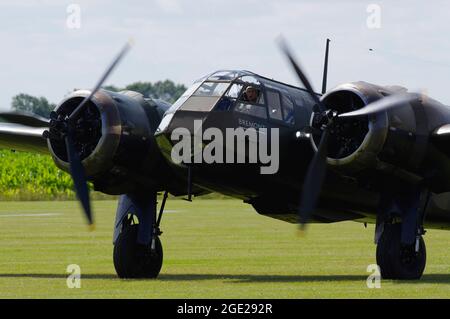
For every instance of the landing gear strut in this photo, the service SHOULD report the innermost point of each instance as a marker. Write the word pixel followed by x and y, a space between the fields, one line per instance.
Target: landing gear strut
pixel 138 250
pixel 401 251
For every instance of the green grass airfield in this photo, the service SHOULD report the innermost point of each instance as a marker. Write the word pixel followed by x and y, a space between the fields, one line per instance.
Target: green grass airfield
pixel 212 249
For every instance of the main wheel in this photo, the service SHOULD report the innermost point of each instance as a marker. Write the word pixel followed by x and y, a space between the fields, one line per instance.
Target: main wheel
pixel 397 261
pixel 133 260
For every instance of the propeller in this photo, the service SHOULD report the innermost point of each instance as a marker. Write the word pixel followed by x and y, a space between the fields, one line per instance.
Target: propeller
pixel 313 181
pixel 25 118
pixel 383 104
pixel 284 47
pixel 316 172
pixel 79 178
pixel 102 80
pixel 65 126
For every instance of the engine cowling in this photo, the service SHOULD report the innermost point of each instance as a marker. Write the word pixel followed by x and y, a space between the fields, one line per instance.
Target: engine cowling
pixel 114 139
pixel 360 143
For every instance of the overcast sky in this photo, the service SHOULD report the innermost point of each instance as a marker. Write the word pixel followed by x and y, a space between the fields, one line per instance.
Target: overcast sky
pixel 182 40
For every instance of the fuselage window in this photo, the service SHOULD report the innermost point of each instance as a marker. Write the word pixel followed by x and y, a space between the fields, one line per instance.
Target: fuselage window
pixel 274 104
pixel 251 102
pixel 288 110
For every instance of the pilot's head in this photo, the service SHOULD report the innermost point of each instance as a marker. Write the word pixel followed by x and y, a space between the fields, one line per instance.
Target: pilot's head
pixel 252 94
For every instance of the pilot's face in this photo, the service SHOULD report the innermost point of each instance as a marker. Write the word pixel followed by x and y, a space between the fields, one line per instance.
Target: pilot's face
pixel 252 95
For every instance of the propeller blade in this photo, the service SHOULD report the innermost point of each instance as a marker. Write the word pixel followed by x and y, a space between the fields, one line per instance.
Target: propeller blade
pixel 25 118
pixel 79 178
pixel 313 181
pixel 383 104
pixel 76 167
pixel 99 84
pixel 301 75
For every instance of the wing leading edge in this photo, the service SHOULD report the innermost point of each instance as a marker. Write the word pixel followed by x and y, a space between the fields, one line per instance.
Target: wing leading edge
pixel 22 138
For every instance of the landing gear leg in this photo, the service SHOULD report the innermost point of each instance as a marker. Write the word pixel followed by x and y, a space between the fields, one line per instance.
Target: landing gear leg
pixel 138 251
pixel 401 251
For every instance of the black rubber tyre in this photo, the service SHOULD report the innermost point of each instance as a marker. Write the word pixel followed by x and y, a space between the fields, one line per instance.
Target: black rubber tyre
pixel 132 260
pixel 389 256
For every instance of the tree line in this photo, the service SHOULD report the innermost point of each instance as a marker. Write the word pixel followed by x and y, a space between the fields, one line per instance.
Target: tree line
pixel 165 90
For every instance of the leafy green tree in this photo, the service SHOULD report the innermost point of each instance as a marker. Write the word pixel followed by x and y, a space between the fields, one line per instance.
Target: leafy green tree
pixel 165 90
pixel 145 88
pixel 111 88
pixel 28 103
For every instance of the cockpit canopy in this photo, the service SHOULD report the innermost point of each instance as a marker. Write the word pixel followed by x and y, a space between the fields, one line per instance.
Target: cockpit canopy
pixel 243 92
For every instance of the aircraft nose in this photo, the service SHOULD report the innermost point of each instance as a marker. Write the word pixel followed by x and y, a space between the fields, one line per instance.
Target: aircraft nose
pixel 164 124
pixel 176 128
pixel 164 144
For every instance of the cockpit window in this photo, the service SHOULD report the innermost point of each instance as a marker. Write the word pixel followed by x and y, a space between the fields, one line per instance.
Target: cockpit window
pixel 250 79
pixel 252 109
pixel 251 102
pixel 251 94
pixel 212 89
pixel 230 97
pixel 191 89
pixel 234 91
pixel 223 75
pixel 184 97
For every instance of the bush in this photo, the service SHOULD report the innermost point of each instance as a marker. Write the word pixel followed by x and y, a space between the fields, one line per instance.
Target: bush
pixel 28 176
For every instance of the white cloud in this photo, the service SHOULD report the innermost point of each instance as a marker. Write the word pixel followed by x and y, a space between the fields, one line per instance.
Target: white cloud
pixel 183 40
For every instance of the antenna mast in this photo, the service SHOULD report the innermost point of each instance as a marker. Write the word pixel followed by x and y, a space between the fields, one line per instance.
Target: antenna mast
pixel 325 68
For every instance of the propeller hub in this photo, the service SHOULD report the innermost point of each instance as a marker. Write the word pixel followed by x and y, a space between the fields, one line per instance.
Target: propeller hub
pixel 85 131
pixel 322 120
pixel 346 134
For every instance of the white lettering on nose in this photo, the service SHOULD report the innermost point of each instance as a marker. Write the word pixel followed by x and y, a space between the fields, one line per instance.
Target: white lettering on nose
pixel 238 145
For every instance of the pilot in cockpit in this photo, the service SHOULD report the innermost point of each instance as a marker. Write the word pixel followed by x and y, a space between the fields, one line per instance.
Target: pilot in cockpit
pixel 251 94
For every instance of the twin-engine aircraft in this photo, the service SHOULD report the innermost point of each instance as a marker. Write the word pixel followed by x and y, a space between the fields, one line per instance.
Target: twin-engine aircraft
pixel 360 152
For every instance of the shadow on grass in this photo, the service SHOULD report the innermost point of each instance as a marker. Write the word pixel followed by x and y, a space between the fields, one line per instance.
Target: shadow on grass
pixel 241 278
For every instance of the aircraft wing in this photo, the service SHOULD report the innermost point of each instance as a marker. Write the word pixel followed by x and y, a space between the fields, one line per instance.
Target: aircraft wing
pixel 22 138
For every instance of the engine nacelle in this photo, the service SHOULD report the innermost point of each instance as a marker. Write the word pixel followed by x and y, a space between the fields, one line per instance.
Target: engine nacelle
pixel 360 143
pixel 114 138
